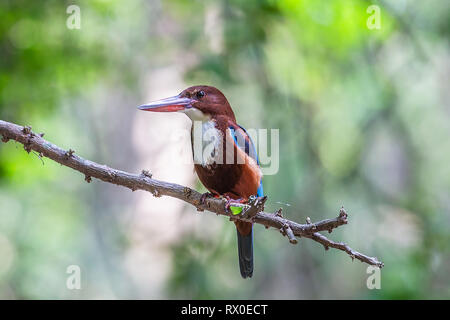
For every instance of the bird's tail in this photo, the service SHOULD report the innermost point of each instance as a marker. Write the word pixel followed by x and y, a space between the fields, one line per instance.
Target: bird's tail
pixel 245 250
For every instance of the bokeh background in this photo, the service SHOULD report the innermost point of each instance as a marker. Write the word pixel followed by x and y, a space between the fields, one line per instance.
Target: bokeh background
pixel 364 120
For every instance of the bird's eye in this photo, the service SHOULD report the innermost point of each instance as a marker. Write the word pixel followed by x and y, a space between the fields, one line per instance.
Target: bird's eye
pixel 200 94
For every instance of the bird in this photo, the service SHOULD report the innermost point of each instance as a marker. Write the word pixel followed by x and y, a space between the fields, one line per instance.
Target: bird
pixel 224 155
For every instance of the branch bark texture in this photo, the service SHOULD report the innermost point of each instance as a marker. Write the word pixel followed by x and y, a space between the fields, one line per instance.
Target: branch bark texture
pixel 251 212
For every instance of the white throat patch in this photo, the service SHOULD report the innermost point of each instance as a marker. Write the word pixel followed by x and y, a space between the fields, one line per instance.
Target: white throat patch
pixel 196 115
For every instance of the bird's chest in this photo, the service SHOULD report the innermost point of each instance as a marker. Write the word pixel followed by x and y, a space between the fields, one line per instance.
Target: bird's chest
pixel 208 153
pixel 214 161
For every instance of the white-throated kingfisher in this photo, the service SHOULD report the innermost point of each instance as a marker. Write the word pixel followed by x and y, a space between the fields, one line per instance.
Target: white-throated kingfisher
pixel 228 166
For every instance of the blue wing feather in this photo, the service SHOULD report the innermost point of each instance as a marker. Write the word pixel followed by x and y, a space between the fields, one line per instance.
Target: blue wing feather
pixel 248 147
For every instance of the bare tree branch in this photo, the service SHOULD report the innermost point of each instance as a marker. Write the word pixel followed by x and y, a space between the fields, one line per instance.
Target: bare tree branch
pixel 251 212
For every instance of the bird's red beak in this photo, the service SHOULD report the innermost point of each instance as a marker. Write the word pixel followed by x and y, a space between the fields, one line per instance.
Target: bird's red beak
pixel 171 104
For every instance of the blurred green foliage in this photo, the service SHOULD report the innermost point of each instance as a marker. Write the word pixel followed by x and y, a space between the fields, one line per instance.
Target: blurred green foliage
pixel 363 117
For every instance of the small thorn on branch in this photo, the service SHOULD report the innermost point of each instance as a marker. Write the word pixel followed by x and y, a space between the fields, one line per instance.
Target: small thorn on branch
pixel 279 213
pixel 343 215
pixel 147 174
pixel 187 192
pixel 112 175
pixel 69 154
pixel 87 178
pixel 308 220
pixel 26 130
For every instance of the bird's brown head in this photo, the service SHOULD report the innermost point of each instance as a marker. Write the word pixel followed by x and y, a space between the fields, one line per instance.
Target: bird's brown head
pixel 197 102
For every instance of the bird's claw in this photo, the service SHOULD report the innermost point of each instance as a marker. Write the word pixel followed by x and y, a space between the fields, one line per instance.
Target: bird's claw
pixel 206 195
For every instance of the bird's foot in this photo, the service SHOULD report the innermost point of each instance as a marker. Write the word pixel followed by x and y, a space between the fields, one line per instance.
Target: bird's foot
pixel 207 195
